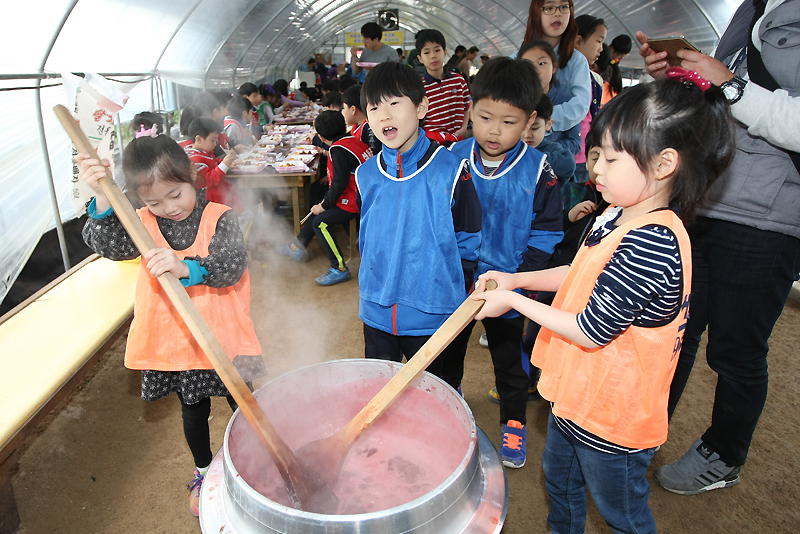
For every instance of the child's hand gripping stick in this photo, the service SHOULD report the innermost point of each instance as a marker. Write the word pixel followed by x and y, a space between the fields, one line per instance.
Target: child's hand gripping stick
pixel 307 489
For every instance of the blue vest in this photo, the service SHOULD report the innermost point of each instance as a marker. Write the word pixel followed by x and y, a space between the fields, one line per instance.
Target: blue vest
pixel 506 202
pixel 409 252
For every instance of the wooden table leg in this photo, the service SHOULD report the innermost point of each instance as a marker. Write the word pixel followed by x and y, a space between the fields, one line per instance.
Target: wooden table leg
pixel 296 210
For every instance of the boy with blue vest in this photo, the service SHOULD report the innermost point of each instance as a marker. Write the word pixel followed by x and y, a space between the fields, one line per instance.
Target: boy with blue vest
pixel 522 220
pixel 420 223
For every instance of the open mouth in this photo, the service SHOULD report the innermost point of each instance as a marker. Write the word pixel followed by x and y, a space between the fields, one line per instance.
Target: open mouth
pixel 492 145
pixel 390 132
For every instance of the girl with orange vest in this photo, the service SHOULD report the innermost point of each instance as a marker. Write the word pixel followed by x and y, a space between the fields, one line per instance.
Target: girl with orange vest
pixel 609 343
pixel 199 242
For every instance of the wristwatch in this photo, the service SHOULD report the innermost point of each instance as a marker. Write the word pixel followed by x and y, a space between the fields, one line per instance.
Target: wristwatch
pixel 733 89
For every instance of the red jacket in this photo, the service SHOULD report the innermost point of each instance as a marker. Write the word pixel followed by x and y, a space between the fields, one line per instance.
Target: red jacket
pixel 214 179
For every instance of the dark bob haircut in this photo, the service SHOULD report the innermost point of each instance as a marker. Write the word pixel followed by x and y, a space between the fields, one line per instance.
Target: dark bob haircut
pixel 648 118
pixel 391 79
pixel 248 89
pixel 332 99
pixel 147 160
pixel 203 127
pixel 429 36
pixel 237 105
pixel 330 125
pixel 588 24
pixel 545 108
pixel 513 81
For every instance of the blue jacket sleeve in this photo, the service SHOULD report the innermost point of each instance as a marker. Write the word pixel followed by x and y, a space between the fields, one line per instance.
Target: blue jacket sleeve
pixel 561 148
pixel 547 225
pixel 576 77
pixel 466 210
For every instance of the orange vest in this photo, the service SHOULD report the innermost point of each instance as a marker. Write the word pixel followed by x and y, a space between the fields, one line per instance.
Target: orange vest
pixel 159 339
pixel 620 391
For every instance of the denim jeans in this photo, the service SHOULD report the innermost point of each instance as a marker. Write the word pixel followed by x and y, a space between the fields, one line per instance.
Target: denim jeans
pixel 740 282
pixel 616 482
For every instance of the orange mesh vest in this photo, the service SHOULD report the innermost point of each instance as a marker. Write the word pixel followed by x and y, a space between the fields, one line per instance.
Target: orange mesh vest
pixel 620 391
pixel 159 339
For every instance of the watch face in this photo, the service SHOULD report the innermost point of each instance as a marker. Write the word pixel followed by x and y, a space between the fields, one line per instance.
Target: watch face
pixel 730 91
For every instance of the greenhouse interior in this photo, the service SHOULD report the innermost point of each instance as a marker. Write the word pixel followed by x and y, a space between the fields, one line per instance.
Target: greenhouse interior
pixel 81 450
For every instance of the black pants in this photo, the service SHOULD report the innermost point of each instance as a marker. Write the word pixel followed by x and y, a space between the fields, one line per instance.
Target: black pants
pixel 320 226
pixel 740 282
pixel 195 427
pixel 380 345
pixel 510 378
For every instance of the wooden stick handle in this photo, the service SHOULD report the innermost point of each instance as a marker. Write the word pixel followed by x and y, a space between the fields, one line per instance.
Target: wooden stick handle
pixel 280 452
pixel 418 363
pixel 304 219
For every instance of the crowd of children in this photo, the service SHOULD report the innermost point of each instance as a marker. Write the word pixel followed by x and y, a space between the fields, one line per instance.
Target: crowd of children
pixel 525 175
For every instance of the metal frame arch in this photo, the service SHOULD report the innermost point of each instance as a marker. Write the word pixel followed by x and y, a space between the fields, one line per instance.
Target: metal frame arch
pixel 258 34
pixel 178 27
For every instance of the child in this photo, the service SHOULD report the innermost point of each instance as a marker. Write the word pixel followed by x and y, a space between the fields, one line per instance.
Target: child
pixel 448 94
pixel 608 67
pixel 332 101
pixel 356 119
pixel 200 243
pixel 609 343
pixel 270 107
pixel 236 124
pixel 559 147
pixel 589 42
pixel 522 211
pixel 212 171
pixel 420 223
pixel 554 21
pixel 345 154
pixel 251 92
pixel 145 121
pixel 188 115
pixel 207 104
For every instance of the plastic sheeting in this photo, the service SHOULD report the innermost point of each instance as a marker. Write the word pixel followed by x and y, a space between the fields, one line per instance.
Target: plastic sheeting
pixel 218 44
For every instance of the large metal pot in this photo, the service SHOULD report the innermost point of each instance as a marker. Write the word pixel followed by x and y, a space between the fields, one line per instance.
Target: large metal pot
pixel 473 498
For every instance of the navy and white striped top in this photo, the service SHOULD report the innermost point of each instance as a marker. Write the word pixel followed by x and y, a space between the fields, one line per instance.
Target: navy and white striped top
pixel 641 285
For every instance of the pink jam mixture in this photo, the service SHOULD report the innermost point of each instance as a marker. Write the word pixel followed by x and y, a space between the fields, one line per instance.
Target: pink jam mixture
pixel 410 450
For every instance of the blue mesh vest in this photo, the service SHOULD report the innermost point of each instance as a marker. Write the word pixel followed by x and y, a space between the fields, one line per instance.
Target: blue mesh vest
pixel 409 252
pixel 507 204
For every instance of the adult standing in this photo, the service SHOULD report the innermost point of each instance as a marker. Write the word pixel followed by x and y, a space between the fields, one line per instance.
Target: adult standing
pixel 463 66
pixel 374 51
pixel 746 244
pixel 456 57
pixel 554 21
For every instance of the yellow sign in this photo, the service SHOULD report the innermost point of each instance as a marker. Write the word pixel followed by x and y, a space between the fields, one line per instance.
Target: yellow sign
pixel 393 38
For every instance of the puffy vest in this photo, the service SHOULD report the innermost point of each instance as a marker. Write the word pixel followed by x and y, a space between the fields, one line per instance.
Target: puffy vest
pixel 362 152
pixel 620 391
pixel 159 339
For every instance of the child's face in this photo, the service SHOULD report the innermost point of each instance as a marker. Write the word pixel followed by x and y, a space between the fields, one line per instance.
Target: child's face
pixel 619 178
pixel 553 26
pixel 498 126
pixel 544 66
pixel 208 143
pixel 432 56
pixel 169 200
pixel 592 45
pixel 255 98
pixel 349 113
pixel 591 160
pixel 395 121
pixel 217 115
pixel 534 135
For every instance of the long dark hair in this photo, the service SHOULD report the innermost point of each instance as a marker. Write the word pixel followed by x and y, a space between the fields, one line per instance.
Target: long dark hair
pixel 645 119
pixel 608 68
pixel 534 32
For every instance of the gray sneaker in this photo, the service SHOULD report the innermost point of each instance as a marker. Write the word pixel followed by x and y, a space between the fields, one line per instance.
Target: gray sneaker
pixel 697 471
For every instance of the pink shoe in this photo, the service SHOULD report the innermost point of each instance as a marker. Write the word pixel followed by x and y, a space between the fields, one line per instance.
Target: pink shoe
pixel 194 493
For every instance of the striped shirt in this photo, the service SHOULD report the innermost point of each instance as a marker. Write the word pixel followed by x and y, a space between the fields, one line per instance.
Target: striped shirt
pixel 641 285
pixel 448 101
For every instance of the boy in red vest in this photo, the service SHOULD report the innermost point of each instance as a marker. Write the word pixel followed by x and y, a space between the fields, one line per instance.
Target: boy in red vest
pixel 346 153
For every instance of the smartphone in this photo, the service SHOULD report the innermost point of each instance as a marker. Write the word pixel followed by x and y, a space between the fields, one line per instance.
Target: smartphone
pixel 671 45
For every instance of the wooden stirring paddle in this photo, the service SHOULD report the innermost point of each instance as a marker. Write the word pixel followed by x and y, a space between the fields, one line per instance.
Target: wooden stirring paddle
pixel 327 455
pixel 308 491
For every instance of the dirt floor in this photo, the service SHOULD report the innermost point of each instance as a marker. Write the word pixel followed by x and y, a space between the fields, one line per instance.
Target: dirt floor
pixel 106 461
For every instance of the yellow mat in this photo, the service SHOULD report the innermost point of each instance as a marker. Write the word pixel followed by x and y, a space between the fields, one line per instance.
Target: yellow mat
pixel 43 345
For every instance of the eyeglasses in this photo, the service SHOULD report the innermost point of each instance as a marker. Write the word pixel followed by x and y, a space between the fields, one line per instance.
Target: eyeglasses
pixel 563 9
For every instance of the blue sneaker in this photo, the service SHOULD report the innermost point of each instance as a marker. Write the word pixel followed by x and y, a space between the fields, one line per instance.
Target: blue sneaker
pixel 295 251
pixel 512 453
pixel 333 276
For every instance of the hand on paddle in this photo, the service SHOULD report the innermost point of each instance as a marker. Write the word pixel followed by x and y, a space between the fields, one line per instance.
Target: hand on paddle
pixel 91 170
pixel 162 260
